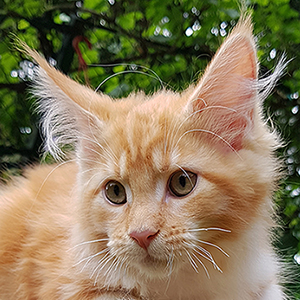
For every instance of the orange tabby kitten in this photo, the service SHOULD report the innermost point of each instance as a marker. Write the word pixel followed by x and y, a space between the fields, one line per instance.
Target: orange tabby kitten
pixel 169 196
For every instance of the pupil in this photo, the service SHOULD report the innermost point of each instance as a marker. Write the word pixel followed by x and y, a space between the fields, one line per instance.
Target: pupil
pixel 182 181
pixel 116 190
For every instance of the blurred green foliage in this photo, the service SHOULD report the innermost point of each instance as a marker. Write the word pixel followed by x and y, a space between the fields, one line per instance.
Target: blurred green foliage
pixel 170 42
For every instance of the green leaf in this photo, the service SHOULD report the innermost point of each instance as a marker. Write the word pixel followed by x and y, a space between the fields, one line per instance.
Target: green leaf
pixel 23 24
pixel 129 20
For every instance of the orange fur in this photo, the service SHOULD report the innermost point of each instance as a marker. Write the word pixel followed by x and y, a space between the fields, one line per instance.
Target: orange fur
pixel 63 238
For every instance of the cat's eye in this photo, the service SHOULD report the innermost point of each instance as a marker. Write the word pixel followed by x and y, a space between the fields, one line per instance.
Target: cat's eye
pixel 182 183
pixel 115 192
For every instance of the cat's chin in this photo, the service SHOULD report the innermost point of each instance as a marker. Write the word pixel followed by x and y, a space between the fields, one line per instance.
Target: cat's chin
pixel 151 266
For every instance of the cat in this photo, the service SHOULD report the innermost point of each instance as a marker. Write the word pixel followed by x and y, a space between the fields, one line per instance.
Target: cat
pixel 167 196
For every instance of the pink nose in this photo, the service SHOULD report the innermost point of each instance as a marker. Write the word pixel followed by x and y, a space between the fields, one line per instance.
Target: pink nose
pixel 144 238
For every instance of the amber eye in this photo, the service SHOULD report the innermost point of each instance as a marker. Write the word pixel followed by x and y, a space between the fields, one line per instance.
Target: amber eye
pixel 115 192
pixel 182 183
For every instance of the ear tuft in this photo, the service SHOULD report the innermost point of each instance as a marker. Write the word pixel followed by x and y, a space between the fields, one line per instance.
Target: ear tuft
pixel 69 110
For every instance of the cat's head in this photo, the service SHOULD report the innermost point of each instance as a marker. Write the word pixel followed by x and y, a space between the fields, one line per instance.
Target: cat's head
pixel 164 179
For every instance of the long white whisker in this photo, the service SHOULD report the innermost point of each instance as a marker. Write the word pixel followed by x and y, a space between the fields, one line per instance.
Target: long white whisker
pixel 196 99
pixel 185 173
pixel 100 262
pixel 210 229
pixel 89 258
pixel 111 151
pixel 110 155
pixel 89 170
pixel 204 109
pixel 123 72
pixel 177 126
pixel 171 134
pixel 192 262
pixel 107 260
pixel 170 261
pixel 192 245
pixel 115 264
pixel 89 242
pixel 47 177
pixel 202 264
pixel 124 263
pixel 138 66
pixel 204 253
pixel 211 258
pixel 213 245
pixel 209 132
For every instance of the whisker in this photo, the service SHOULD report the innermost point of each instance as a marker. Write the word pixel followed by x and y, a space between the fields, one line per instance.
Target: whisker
pixel 123 72
pixel 105 257
pixel 172 134
pixel 209 132
pixel 109 268
pixel 176 126
pixel 185 173
pixel 124 263
pixel 95 151
pixel 138 66
pixel 202 264
pixel 169 267
pixel 89 242
pixel 45 180
pixel 213 245
pixel 89 170
pixel 196 99
pixel 106 261
pixel 111 151
pixel 89 258
pixel 95 162
pixel 210 229
pixel 204 109
pixel 116 265
pixel 211 260
pixel 111 155
pixel 170 261
pixel 165 136
pixel 192 246
pixel 203 253
pixel 192 262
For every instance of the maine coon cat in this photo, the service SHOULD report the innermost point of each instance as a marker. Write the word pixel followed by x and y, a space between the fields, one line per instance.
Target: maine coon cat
pixel 168 196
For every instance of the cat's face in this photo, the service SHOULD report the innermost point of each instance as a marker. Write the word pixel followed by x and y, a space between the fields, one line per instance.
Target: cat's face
pixel 164 180
pixel 162 192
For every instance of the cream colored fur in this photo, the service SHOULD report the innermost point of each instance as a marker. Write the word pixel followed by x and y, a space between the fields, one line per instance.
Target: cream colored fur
pixel 62 239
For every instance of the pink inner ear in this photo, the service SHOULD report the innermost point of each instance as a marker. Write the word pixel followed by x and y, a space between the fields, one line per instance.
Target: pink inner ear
pixel 247 66
pixel 239 125
pixel 229 82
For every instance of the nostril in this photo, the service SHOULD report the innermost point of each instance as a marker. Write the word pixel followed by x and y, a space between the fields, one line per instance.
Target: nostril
pixel 144 238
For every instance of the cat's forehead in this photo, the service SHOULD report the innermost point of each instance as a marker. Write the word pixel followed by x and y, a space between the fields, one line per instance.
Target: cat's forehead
pixel 145 136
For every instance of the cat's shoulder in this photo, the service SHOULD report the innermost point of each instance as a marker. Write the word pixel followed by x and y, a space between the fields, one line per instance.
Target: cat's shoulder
pixel 61 173
pixel 41 180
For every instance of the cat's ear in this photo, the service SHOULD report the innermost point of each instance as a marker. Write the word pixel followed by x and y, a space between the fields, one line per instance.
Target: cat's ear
pixel 70 111
pixel 226 94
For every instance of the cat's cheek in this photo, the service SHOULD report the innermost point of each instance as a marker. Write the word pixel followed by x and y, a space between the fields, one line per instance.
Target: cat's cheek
pixel 97 212
pixel 205 206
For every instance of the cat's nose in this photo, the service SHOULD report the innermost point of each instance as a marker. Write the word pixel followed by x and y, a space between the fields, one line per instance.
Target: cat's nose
pixel 144 238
